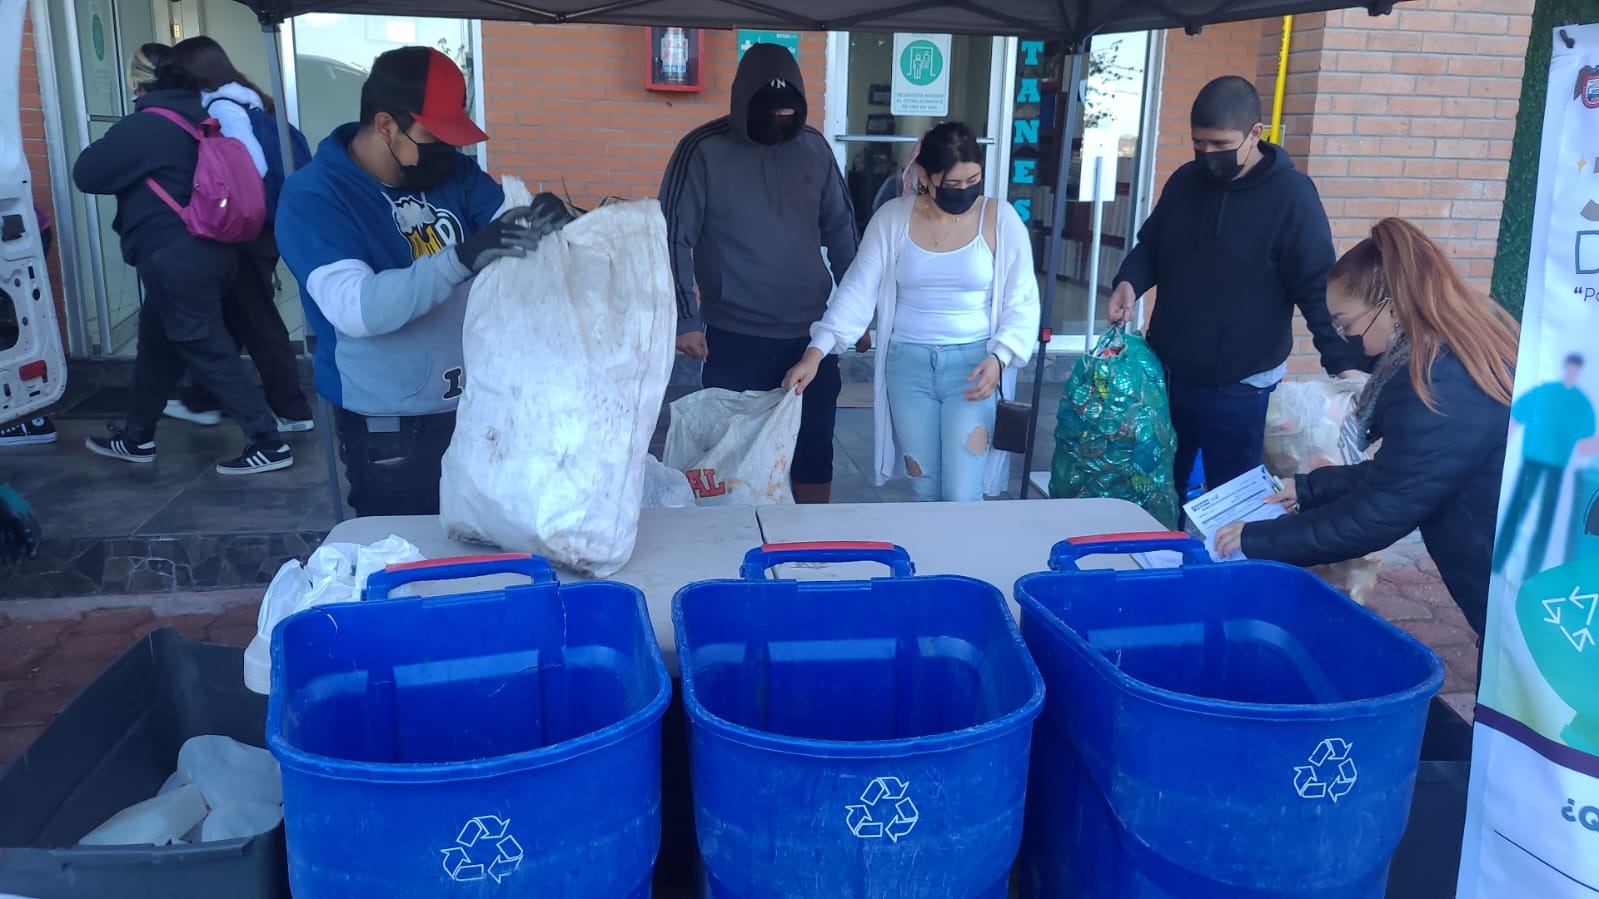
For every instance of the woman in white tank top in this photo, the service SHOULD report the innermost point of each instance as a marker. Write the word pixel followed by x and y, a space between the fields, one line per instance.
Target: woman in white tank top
pixel 949 275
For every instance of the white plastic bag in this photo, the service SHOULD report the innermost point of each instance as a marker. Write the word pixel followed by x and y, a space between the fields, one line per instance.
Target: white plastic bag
pixel 241 785
pixel 665 488
pixel 568 351
pixel 1304 432
pixel 1304 425
pixel 158 821
pixel 336 572
pixel 735 448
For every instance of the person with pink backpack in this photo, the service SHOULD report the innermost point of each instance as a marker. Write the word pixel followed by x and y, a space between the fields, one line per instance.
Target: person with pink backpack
pixel 186 197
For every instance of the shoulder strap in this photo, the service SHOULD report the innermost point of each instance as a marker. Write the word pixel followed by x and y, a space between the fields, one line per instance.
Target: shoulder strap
pixel 215 100
pixel 165 197
pixel 176 119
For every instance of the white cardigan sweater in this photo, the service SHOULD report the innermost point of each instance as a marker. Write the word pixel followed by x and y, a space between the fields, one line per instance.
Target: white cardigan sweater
pixel 870 287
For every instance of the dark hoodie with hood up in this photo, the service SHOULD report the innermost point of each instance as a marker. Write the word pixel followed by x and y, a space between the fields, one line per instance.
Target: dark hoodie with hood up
pixel 1231 262
pixel 747 221
pixel 145 145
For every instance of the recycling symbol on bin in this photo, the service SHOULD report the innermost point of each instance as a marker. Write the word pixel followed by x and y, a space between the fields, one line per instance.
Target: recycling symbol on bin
pixel 885 809
pixel 485 848
pixel 1330 772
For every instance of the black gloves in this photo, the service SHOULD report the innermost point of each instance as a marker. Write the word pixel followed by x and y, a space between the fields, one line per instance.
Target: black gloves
pixel 19 530
pixel 515 233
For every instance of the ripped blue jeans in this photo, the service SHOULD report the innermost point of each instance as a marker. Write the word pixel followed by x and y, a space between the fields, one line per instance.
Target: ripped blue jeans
pixel 945 437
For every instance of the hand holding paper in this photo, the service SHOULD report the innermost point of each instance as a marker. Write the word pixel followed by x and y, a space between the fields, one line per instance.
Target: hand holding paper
pixel 1221 514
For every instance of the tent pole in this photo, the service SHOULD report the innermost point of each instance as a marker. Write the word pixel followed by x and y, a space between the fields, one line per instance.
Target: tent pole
pixel 1051 268
pixel 272 35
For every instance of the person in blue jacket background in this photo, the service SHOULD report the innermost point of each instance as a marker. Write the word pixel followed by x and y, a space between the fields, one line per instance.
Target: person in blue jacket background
pixel 384 230
pixel 1559 421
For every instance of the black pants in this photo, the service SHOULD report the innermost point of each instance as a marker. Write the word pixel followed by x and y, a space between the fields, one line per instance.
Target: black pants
pixel 1536 482
pixel 741 362
pixel 393 463
pixel 253 319
pixel 181 327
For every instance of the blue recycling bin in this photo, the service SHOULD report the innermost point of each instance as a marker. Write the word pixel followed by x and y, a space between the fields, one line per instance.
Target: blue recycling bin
pixel 1215 730
pixel 855 738
pixel 503 743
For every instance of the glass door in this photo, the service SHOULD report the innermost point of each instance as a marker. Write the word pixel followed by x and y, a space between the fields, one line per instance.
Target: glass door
pixel 1113 112
pixel 99 37
pixel 886 90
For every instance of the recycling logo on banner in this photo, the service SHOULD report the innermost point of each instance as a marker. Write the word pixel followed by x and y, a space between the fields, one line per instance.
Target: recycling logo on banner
pixel 485 848
pixel 1577 621
pixel 1330 773
pixel 885 809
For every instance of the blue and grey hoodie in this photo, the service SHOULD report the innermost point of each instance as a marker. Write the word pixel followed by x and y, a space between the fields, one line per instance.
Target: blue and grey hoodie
pixel 382 294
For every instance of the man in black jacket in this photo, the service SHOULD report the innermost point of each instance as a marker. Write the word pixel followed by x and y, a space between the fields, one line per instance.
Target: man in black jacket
pixel 1237 240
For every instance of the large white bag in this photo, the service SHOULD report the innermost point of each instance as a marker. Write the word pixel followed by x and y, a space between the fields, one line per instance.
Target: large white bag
pixel 568 351
pixel 1304 425
pixel 1304 432
pixel 735 448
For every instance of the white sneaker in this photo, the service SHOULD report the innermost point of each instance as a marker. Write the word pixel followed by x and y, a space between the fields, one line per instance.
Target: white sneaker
pixel 296 425
pixel 176 409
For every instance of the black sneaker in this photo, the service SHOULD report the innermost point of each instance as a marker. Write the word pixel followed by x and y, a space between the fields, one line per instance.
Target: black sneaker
pixel 118 446
pixel 257 460
pixel 28 433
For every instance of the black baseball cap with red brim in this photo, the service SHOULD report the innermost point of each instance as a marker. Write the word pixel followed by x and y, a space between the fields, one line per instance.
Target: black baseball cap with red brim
pixel 426 85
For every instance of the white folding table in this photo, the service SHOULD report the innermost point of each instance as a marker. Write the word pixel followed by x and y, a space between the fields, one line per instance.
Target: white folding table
pixel 996 542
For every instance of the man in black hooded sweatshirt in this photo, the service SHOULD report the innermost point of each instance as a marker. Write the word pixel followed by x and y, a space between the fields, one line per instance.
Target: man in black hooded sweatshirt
pixel 750 201
pixel 1238 239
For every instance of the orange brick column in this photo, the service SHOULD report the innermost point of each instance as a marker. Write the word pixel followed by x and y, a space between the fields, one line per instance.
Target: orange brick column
pixel 1407 115
pixel 567 102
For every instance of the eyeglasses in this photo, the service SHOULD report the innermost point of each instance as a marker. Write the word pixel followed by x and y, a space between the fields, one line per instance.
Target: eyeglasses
pixel 1343 330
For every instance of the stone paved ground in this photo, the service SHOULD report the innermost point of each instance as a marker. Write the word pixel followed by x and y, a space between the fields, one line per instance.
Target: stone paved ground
pixel 1411 594
pixel 52 648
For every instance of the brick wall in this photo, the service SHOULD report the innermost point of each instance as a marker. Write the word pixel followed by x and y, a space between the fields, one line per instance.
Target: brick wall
pixel 569 102
pixel 33 143
pixel 1191 63
pixel 1407 115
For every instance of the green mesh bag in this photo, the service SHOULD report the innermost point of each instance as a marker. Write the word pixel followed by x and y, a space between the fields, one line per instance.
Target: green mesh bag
pixel 1113 434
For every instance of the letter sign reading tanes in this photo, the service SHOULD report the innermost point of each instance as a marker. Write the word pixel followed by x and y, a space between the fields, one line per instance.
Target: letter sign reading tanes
pixel 921 75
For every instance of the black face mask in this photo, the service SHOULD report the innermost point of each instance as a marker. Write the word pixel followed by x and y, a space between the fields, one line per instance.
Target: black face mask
pixel 772 129
pixel 957 200
pixel 435 163
pixel 1221 165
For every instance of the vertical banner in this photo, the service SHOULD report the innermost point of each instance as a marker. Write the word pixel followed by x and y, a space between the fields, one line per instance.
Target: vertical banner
pixel 1532 823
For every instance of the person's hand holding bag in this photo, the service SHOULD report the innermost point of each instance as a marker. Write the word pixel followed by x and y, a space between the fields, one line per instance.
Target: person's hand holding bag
pixel 804 371
pixel 516 233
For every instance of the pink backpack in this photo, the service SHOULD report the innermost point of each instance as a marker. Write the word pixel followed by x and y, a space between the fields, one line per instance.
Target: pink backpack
pixel 229 200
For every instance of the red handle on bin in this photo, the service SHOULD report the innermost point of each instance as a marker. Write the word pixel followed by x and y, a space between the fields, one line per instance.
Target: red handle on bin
pixel 813 545
pixel 1066 554
pixel 763 557
pixel 1143 536
pixel 455 560
pixel 535 568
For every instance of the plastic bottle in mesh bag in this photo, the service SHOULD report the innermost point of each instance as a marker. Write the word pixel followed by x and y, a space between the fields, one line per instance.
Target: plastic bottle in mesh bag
pixel 1113 434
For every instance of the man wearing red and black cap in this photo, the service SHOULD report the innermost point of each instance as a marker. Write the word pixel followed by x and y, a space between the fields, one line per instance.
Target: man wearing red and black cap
pixel 384 230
